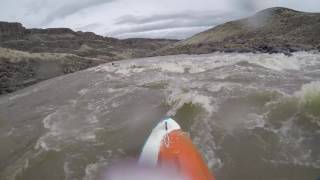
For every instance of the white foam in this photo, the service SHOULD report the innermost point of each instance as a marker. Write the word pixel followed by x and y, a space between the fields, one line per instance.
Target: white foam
pixel 112 90
pixel 308 91
pixel 204 139
pixel 104 68
pixel 125 68
pixel 41 144
pixel 89 136
pixel 17 96
pixel 277 62
pixel 26 164
pixel 170 67
pixel 216 87
pixel 64 126
pixel 53 130
pixel 255 121
pixel 199 63
pixel 92 119
pixel 115 105
pixel 178 98
pixel 83 92
pixel 11 132
pixel 293 149
pixel 67 172
pixel 90 171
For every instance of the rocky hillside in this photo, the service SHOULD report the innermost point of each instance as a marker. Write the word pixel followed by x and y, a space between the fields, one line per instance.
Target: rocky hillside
pixel 28 56
pixel 19 69
pixel 271 30
pixel 85 44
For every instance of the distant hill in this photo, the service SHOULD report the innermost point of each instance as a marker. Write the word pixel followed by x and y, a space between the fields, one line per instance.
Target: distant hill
pixel 272 30
pixel 85 44
pixel 28 56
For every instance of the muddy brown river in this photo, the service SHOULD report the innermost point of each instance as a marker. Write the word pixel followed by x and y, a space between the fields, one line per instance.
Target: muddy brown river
pixel 253 116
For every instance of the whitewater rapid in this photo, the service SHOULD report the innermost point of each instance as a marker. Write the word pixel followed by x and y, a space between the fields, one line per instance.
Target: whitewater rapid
pixel 253 116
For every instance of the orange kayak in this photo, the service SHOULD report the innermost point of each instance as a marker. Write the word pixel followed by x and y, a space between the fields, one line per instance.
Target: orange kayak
pixel 169 147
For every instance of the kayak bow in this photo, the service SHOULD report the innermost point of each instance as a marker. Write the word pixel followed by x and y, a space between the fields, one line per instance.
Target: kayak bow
pixel 169 147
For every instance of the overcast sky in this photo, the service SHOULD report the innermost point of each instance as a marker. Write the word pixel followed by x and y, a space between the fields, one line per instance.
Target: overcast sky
pixel 138 18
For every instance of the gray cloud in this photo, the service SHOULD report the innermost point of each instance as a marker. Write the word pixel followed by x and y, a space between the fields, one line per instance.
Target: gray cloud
pixel 184 20
pixel 173 33
pixel 139 18
pixel 88 27
pixel 72 8
pixel 247 5
pixel 130 19
pixel 182 16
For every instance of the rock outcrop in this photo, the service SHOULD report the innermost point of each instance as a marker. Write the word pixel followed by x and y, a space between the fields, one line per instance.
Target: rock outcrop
pixel 12 31
pixel 85 44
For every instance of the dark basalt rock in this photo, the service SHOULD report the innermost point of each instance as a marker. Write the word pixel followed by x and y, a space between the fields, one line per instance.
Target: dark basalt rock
pixel 11 31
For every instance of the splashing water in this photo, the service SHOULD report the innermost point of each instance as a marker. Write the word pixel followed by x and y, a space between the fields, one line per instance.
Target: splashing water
pixel 253 116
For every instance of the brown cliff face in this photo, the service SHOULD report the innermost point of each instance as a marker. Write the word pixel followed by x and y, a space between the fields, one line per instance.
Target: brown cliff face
pixel 11 30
